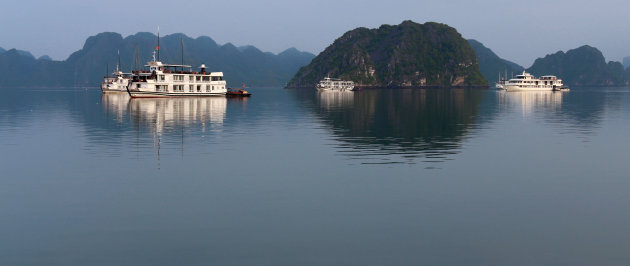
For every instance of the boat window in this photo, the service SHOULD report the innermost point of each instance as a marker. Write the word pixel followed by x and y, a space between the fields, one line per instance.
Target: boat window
pixel 198 88
pixel 190 88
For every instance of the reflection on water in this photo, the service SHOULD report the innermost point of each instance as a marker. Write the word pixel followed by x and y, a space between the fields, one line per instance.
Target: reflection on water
pixel 279 178
pixel 335 99
pixel 149 123
pixel 116 104
pixel 159 114
pixel 529 102
pixel 397 126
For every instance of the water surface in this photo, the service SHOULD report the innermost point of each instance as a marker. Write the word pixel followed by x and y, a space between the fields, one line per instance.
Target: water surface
pixel 293 177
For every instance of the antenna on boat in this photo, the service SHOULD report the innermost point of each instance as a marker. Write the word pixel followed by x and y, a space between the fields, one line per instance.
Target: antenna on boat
pixel 106 69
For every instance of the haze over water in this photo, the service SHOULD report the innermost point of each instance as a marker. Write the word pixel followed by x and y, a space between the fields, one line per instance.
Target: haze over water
pixel 293 177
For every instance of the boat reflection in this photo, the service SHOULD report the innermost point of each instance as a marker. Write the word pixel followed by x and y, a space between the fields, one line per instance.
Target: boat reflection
pixel 116 104
pixel 335 99
pixel 530 102
pixel 397 126
pixel 163 114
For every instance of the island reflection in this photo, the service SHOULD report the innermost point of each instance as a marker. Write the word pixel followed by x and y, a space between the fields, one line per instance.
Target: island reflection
pixel 397 126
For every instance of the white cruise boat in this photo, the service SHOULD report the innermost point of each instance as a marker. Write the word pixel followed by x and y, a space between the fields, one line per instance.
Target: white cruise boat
pixel 335 84
pixel 527 82
pixel 164 80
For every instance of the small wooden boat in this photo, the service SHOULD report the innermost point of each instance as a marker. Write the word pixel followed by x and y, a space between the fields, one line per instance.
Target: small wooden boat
pixel 237 93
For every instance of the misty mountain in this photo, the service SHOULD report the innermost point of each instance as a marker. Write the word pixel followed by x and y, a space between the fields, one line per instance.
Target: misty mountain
pixel 404 55
pixel 21 52
pixel 626 62
pixel 20 69
pixel 98 56
pixel 491 64
pixel 582 66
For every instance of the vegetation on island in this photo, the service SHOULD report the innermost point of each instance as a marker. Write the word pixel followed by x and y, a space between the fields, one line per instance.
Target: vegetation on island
pixel 405 55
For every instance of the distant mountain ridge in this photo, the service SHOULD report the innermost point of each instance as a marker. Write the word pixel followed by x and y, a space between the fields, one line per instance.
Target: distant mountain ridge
pixel 87 66
pixel 582 66
pixel 491 64
pixel 404 55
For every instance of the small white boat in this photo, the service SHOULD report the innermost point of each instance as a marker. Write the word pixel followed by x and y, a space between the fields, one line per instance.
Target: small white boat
pixel 117 82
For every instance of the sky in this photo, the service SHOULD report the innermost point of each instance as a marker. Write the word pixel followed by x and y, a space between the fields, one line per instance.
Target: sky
pixel 517 31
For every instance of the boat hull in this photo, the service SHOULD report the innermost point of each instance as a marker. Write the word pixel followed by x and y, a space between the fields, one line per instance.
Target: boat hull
pixel 517 88
pixel 113 89
pixel 150 94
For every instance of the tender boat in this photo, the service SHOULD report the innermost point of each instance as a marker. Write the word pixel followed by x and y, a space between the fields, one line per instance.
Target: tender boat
pixel 232 92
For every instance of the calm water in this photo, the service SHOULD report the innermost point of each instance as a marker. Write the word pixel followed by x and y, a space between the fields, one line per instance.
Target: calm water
pixel 293 177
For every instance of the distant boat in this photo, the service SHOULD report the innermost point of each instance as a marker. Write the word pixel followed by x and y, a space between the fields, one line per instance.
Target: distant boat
pixel 118 81
pixel 527 82
pixel 335 85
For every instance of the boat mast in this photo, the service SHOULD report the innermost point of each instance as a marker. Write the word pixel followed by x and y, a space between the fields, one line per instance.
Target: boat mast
pixel 136 58
pixel 182 45
pixel 118 63
pixel 158 46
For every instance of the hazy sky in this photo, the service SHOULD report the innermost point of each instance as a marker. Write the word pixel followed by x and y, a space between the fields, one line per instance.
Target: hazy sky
pixel 519 31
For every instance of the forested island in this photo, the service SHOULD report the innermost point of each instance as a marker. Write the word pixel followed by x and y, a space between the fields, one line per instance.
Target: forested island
pixel 404 55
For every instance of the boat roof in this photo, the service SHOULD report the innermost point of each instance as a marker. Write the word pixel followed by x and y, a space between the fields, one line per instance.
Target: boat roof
pixel 170 65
